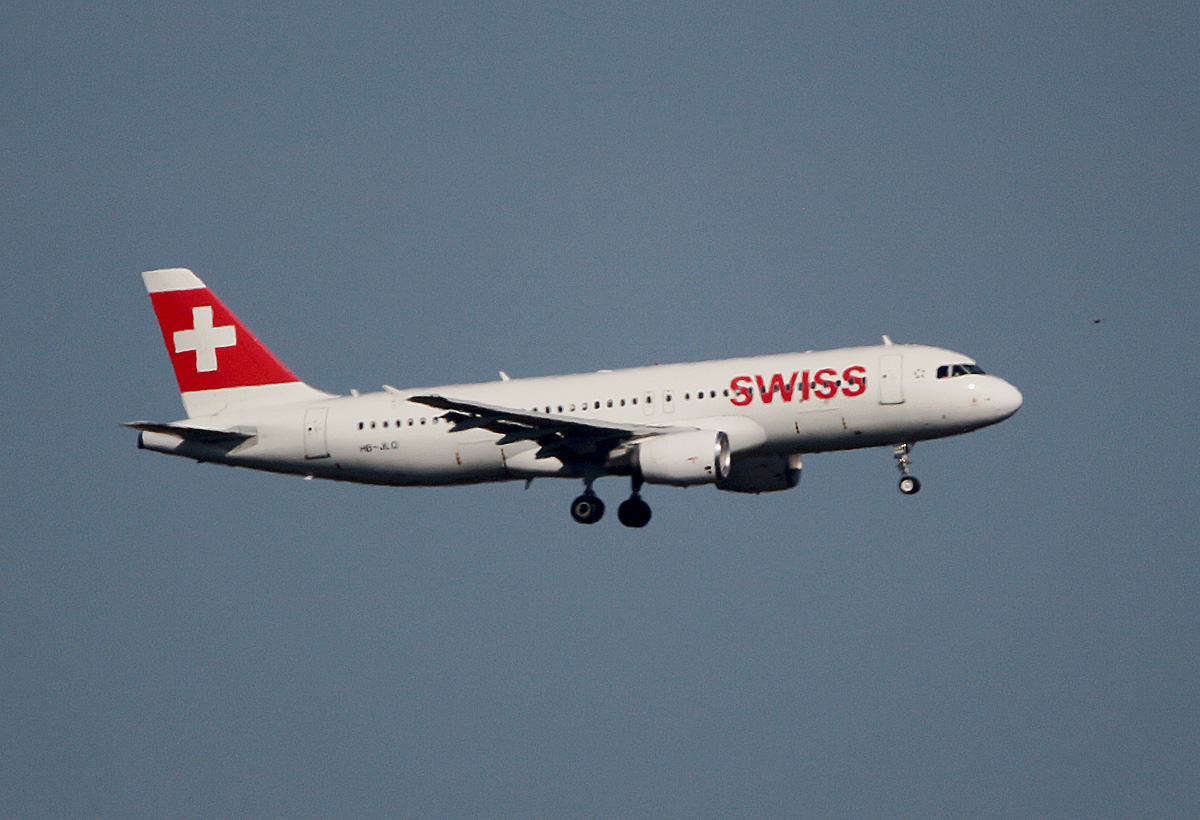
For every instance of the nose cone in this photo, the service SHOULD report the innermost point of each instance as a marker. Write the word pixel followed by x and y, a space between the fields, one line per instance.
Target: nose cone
pixel 1006 400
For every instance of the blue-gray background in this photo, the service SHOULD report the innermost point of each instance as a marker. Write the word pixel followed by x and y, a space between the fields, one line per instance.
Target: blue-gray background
pixel 424 196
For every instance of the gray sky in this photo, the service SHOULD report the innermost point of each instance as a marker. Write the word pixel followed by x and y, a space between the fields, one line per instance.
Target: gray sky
pixel 419 197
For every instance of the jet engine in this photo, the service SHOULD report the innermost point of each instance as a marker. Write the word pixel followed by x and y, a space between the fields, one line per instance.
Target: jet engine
pixel 681 459
pixel 762 474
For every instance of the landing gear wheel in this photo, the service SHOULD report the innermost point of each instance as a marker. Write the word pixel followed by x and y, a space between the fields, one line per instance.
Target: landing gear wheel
pixel 634 512
pixel 908 483
pixel 587 509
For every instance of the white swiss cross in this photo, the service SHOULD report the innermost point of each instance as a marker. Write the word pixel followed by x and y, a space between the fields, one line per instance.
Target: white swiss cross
pixel 205 339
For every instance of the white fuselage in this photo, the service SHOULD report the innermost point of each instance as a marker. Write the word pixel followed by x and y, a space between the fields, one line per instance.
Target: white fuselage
pixel 790 403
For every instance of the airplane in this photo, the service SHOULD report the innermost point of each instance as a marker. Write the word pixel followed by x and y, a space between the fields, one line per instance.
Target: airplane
pixel 742 425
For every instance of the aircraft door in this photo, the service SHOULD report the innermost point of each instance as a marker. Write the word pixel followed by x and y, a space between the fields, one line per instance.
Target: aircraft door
pixel 315 445
pixel 891 379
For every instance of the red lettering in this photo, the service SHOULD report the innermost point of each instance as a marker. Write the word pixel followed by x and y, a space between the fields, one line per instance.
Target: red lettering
pixel 765 394
pixel 826 385
pixel 777 385
pixel 785 390
pixel 856 381
pixel 741 392
pixel 823 384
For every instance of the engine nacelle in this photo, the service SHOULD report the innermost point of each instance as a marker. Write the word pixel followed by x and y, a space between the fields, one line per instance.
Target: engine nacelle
pixel 762 474
pixel 682 459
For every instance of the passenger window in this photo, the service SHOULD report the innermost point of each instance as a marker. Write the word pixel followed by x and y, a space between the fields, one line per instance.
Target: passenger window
pixel 361 425
pixel 610 402
pixel 597 405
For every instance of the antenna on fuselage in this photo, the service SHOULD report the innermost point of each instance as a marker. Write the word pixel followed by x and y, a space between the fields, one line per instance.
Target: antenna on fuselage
pixel 887 340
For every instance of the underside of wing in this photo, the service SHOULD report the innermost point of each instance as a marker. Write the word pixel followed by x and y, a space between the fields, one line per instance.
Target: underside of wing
pixel 565 437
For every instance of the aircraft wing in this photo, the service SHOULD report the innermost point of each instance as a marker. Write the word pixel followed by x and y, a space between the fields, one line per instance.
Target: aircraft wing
pixel 560 436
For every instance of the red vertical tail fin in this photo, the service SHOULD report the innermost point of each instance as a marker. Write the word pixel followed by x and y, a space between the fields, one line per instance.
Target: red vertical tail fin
pixel 219 364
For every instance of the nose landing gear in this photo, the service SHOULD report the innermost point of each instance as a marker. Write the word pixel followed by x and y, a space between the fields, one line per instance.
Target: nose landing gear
pixel 909 485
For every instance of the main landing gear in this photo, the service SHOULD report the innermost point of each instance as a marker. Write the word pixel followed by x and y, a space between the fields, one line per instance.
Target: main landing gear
pixel 588 508
pixel 633 511
pixel 909 485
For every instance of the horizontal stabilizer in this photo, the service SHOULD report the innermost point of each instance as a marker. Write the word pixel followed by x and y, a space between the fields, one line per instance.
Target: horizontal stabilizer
pixel 198 434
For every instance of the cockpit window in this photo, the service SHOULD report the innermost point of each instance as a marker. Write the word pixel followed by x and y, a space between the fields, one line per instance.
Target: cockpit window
pixel 952 370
